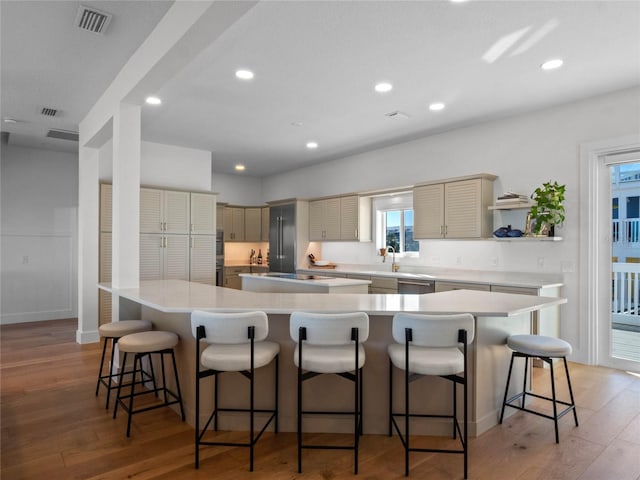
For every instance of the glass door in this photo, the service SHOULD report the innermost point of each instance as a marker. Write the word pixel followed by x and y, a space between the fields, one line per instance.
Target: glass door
pixel 624 322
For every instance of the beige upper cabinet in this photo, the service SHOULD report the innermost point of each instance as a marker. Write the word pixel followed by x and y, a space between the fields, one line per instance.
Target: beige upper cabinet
pixel 233 221
pixel 252 224
pixel 324 219
pixel 428 211
pixel 355 218
pixel 164 211
pixel 264 236
pixel 203 214
pixel 454 209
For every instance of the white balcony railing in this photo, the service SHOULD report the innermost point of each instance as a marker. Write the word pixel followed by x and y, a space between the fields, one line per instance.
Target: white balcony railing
pixel 625 298
pixel 626 232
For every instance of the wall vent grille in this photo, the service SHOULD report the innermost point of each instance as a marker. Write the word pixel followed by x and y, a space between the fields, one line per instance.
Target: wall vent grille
pixel 63 135
pixel 92 20
pixel 49 112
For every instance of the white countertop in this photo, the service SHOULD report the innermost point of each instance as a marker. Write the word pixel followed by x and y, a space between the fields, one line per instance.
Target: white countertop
pixel 182 296
pixel 487 277
pixel 317 280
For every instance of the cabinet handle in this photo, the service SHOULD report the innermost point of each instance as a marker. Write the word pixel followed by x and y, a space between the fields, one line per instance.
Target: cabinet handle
pixel 355 233
pixel 191 228
pixel 446 229
pixel 441 232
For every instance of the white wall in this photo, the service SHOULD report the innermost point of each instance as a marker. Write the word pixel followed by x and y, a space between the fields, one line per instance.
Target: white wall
pixel 523 151
pixel 39 200
pixel 238 189
pixel 166 166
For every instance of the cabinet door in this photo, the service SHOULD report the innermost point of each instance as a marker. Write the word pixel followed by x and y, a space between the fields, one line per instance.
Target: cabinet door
pixel 463 218
pixel 237 214
pixel 316 221
pixel 106 207
pixel 176 212
pixel 252 224
pixel 151 219
pixel 227 222
pixel 350 218
pixel 264 231
pixel 176 257
pixel 104 307
pixel 106 245
pixel 332 219
pixel 428 210
pixel 151 257
pixel 219 216
pixel 203 259
pixel 203 214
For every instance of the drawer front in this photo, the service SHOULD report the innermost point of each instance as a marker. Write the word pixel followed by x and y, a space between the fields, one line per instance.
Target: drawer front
pixel 517 290
pixel 447 286
pixel 384 282
pixel 382 290
pixel 236 270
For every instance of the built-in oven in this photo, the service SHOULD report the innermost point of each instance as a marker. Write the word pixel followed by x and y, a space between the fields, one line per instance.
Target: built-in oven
pixel 219 258
pixel 416 286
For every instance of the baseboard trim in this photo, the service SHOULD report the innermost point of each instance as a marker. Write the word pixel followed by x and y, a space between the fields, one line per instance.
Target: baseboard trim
pixel 28 317
pixel 91 336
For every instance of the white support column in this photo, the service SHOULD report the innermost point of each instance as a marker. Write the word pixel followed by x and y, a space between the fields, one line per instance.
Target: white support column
pixel 126 199
pixel 88 207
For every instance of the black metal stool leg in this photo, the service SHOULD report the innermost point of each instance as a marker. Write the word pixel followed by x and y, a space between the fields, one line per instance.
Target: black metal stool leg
pixel 455 410
pixel 406 418
pixel 277 375
pixel 553 396
pixel 136 359
pixel 299 419
pixel 179 392
pixel 566 369
pixel 120 380
pixel 104 349
pixel 524 381
pixel 506 388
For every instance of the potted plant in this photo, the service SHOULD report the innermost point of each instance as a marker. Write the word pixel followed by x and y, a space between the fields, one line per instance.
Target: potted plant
pixel 548 210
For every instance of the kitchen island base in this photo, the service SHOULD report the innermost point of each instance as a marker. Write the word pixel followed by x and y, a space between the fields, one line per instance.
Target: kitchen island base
pixel 488 364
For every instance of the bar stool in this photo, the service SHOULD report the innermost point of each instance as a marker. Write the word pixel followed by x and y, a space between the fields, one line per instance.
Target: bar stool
pixel 546 349
pixel 236 344
pixel 330 343
pixel 114 331
pixel 428 345
pixel 147 344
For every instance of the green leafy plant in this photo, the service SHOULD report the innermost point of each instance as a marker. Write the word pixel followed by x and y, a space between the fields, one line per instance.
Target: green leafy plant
pixel 548 210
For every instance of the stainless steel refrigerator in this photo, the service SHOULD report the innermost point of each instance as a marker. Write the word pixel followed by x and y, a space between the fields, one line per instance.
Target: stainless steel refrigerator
pixel 282 238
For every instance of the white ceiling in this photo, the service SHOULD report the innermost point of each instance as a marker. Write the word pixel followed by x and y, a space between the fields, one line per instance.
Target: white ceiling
pixel 316 63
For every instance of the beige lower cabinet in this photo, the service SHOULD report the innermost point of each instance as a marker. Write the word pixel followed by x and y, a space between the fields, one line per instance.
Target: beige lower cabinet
pixel 232 276
pixel 360 277
pixel 383 285
pixel 447 286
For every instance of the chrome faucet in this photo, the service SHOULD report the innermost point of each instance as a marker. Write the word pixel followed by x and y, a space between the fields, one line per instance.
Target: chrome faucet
pixel 394 266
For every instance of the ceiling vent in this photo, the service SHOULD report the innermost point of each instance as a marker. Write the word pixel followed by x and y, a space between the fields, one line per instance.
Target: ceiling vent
pixel 92 20
pixel 49 112
pixel 63 135
pixel 397 114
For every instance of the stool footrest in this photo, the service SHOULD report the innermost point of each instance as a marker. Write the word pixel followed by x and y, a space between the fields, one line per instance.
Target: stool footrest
pixel 236 444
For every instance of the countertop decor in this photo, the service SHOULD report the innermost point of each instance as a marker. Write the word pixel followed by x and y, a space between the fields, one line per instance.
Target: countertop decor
pixel 548 210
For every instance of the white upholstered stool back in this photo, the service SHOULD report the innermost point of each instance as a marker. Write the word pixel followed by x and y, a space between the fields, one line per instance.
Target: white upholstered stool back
pixel 433 331
pixel 230 328
pixel 329 342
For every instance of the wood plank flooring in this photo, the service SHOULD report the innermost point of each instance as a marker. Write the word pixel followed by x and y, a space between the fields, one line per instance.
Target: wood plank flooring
pixel 53 427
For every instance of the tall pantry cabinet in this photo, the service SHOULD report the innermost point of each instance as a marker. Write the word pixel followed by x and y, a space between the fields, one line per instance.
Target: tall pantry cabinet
pixel 177 238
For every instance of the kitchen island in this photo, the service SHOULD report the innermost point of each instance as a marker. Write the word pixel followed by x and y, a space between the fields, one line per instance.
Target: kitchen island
pixel 169 303
pixel 300 283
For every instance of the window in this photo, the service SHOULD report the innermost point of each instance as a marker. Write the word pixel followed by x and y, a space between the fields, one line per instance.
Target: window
pixel 398 228
pixel 394 223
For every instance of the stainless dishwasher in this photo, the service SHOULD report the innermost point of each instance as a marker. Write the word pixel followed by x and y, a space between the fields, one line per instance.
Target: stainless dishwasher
pixel 416 286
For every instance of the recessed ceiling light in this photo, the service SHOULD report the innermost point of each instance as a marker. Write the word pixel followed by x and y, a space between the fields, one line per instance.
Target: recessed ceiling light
pixel 312 145
pixel 437 106
pixel 10 120
pixel 240 168
pixel 458 1
pixel 383 87
pixel 244 74
pixel 296 124
pixel 153 101
pixel 552 64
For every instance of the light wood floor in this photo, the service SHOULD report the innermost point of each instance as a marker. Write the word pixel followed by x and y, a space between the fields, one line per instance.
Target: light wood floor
pixel 53 427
